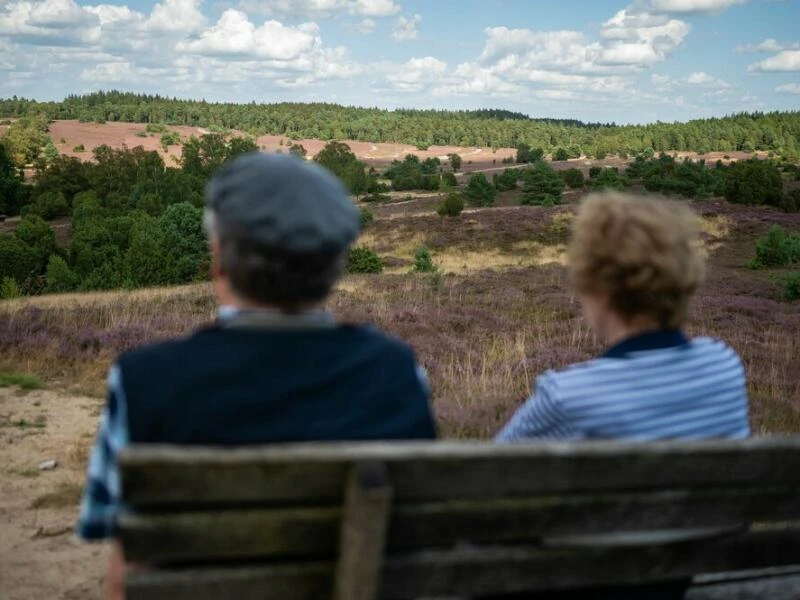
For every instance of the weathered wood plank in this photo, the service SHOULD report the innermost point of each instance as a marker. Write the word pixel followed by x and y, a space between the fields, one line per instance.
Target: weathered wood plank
pixel 314 532
pixel 314 473
pixel 785 587
pixel 477 571
pixel 290 582
pixel 365 520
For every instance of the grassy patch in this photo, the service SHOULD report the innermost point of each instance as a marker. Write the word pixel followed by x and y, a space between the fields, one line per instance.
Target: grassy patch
pixel 27 381
pixel 27 473
pixel 64 496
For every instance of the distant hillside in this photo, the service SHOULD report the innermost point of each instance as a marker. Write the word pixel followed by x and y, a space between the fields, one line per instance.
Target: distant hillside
pixel 776 131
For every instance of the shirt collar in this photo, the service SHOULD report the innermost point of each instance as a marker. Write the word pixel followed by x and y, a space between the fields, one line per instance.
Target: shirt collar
pixel 232 316
pixel 651 340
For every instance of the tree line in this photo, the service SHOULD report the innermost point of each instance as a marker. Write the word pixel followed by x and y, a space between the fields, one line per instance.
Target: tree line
pixel 777 132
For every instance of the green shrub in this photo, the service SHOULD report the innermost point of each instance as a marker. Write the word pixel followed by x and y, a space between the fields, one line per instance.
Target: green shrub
pixel 155 128
pixel 49 205
pixel 18 261
pixel 79 148
pixel 59 277
pixel 778 248
pixel 170 138
pixel 361 259
pixel 573 178
pixel 595 171
pixel 27 381
pixel 366 217
pixel 507 180
pixel 141 133
pixel 9 288
pixel 423 263
pixel 449 179
pixel 609 179
pixel 560 155
pixel 452 206
pixel 542 186
pixel 754 181
pixel 479 191
pixel 791 287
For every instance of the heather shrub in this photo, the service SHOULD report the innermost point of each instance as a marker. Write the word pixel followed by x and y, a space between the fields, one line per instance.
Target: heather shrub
pixel 452 206
pixel 79 148
pixel 170 138
pixel 595 171
pixel 778 248
pixel 366 217
pixel 573 178
pixel 363 260
pixel 155 128
pixel 423 263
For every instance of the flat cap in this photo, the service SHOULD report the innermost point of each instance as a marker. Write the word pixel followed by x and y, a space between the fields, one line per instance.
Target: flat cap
pixel 285 203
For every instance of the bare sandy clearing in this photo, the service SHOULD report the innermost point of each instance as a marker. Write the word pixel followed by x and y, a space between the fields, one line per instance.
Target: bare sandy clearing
pixel 40 557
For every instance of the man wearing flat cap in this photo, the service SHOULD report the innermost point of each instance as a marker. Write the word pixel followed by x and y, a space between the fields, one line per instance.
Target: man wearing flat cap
pixel 275 367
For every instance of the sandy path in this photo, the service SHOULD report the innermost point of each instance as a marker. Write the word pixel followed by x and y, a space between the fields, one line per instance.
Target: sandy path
pixel 40 557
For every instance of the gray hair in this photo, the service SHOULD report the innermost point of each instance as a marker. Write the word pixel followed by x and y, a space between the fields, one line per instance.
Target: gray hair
pixel 268 275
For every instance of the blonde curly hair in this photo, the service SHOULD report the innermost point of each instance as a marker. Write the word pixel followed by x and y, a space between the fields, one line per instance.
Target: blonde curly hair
pixel 642 254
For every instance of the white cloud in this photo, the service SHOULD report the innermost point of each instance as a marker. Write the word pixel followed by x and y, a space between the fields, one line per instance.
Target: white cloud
pixel 640 38
pixel 414 74
pixel 364 26
pixel 234 34
pixel 322 8
pixel 789 88
pixel 768 45
pixel 374 8
pixel 693 6
pixel 176 15
pixel 699 77
pixel 405 28
pixel 788 60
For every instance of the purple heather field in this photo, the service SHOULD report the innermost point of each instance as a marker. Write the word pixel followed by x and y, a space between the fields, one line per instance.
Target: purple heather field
pixel 483 331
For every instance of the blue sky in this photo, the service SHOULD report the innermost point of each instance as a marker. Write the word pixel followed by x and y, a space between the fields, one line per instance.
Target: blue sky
pixel 599 60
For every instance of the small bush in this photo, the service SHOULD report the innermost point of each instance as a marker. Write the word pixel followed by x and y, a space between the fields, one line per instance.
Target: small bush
pixel 141 133
pixel 573 178
pixel 449 179
pixel 791 287
pixel 79 148
pixel 155 128
pixel 595 171
pixel 170 138
pixel 452 206
pixel 363 260
pixel 423 263
pixel 366 217
pixel 9 288
pixel 778 248
pixel 376 197
pixel 62 141
pixel 560 155
pixel 26 381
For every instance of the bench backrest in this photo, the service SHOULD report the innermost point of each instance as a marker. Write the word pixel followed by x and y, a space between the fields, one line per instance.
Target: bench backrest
pixel 410 520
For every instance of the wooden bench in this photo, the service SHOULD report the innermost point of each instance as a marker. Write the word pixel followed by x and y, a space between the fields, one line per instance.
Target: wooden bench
pixel 423 520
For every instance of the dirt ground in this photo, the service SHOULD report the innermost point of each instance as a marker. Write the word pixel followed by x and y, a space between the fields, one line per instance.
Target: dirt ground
pixel 40 556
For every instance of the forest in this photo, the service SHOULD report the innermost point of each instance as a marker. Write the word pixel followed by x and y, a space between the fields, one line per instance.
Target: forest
pixel 777 132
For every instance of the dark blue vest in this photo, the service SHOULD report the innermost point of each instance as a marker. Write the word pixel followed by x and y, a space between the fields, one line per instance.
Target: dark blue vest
pixel 225 386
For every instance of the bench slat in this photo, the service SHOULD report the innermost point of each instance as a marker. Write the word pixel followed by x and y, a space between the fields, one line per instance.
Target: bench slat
pixel 243 533
pixel 477 571
pixel 314 473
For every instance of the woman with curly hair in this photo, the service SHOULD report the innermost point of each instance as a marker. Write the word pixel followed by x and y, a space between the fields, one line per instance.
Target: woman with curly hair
pixel 635 263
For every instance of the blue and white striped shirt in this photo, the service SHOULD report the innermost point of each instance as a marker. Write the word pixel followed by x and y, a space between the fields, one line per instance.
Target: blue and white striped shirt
pixel 654 386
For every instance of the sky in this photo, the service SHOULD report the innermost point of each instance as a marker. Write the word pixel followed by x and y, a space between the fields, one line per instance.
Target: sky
pixel 623 61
